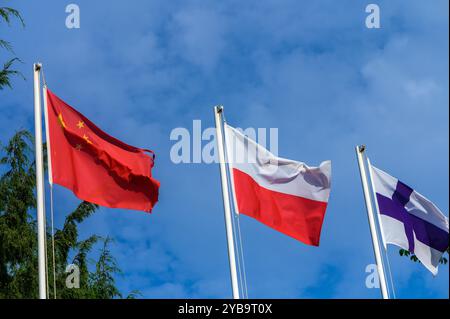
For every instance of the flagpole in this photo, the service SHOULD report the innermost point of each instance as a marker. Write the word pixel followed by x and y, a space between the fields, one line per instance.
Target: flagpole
pixel 39 182
pixel 377 212
pixel 376 247
pixel 50 180
pixel 226 202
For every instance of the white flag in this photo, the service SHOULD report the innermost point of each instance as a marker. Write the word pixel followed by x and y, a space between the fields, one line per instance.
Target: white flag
pixel 409 220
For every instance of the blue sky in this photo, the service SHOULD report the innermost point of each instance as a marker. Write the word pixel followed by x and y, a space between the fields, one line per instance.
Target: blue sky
pixel 309 68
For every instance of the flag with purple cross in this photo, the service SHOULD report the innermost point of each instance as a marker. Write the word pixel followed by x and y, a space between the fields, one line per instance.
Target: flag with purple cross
pixel 409 220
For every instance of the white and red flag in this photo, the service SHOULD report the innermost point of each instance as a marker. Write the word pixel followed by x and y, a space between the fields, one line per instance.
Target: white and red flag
pixel 286 195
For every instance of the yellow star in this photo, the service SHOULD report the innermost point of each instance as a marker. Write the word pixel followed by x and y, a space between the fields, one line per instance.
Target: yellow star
pixel 61 121
pixel 86 138
pixel 78 147
pixel 80 124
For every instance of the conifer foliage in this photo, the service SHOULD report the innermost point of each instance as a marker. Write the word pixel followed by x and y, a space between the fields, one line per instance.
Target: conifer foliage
pixel 6 16
pixel 18 236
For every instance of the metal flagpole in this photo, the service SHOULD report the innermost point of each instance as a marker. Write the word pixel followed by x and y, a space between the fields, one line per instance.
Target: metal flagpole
pixel 376 246
pixel 50 180
pixel 236 224
pixel 40 212
pixel 380 225
pixel 226 202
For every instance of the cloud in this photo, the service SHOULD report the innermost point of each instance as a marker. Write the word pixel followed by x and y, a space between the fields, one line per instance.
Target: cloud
pixel 199 36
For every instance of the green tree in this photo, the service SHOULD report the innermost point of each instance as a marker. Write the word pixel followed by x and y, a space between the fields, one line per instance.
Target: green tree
pixel 6 14
pixel 18 239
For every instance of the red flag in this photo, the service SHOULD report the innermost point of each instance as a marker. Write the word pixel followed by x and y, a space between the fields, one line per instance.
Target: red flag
pixel 95 166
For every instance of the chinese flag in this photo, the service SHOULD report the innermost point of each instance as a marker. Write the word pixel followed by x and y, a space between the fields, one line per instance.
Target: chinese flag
pixel 97 167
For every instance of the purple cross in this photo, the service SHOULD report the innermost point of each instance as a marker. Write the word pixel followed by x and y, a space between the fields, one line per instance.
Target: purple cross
pixel 424 231
pixel 395 208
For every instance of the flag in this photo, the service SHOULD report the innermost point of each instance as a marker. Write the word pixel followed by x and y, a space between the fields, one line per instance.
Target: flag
pixel 95 166
pixel 409 220
pixel 286 195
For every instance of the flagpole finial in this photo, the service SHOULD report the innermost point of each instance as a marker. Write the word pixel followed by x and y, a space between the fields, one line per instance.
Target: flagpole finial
pixel 362 148
pixel 219 108
pixel 37 66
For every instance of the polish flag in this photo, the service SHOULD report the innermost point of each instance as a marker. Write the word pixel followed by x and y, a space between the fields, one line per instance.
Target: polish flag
pixel 286 195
